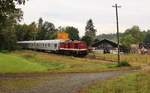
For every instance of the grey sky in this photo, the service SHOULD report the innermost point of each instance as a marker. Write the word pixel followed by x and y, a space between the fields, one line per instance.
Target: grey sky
pixel 77 12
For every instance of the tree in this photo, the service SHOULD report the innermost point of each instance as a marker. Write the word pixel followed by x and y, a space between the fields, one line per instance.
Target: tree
pixel 132 36
pixel 147 37
pixel 7 39
pixel 46 30
pixel 136 33
pixel 9 16
pixel 8 9
pixel 96 40
pixel 90 30
pixel 49 30
pixel 73 32
pixel 26 32
pixel 87 39
pixel 127 40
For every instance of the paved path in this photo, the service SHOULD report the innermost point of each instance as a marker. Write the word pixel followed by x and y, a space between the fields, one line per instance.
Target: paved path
pixel 55 83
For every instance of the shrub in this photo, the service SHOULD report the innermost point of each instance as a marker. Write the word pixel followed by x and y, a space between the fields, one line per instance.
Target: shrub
pixel 124 64
pixel 4 51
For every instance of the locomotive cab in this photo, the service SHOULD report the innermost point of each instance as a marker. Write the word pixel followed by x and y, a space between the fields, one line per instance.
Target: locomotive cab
pixel 76 48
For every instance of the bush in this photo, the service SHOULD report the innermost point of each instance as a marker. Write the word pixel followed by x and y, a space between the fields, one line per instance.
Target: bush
pixel 4 51
pixel 124 64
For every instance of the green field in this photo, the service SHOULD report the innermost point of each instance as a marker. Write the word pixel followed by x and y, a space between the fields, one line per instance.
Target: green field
pixel 29 61
pixel 133 83
pixel 12 63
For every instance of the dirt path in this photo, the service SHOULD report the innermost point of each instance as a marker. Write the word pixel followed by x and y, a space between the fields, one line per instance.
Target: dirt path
pixel 59 83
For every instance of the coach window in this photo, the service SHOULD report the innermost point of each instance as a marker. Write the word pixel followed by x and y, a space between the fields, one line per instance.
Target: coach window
pixel 48 45
pixel 55 45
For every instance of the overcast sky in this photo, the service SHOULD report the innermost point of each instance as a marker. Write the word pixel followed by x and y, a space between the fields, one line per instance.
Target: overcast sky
pixel 77 12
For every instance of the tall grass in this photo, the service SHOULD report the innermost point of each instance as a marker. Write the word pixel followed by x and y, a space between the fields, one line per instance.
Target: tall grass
pixel 134 59
pixel 132 83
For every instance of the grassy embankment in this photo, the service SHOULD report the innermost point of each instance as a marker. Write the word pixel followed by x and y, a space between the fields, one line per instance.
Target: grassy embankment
pixel 133 83
pixel 29 61
pixel 133 59
pixel 138 82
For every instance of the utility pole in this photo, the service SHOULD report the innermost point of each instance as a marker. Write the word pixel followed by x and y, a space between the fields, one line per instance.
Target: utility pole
pixel 118 41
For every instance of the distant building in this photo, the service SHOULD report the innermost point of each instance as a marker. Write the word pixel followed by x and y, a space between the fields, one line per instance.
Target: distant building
pixel 144 48
pixel 134 48
pixel 107 46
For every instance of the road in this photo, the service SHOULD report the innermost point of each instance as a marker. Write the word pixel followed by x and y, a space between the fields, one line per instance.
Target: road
pixel 52 83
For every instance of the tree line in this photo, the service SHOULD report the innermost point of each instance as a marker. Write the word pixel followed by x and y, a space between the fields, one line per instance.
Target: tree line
pixel 12 31
pixel 44 30
pixel 133 35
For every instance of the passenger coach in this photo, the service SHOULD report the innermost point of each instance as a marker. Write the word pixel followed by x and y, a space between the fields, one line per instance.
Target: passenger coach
pixel 77 48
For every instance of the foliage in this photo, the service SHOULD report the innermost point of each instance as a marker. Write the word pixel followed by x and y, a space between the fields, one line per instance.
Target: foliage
pixel 127 40
pixel 8 9
pixel 7 42
pixel 111 37
pixel 7 34
pixel 87 39
pixel 9 16
pixel 73 32
pixel 123 64
pixel 90 30
pixel 26 32
pixel 132 36
pixel 42 31
pixel 147 38
pixel 46 30
pixel 96 40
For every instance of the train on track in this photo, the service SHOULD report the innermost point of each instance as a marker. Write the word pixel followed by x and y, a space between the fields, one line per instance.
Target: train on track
pixel 66 47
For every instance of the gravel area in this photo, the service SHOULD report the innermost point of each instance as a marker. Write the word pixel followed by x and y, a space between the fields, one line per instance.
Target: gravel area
pixel 52 83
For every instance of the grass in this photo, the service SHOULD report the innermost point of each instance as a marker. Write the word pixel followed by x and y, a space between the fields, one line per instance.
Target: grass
pixel 138 82
pixel 133 59
pixel 29 61
pixel 133 83
pixel 14 64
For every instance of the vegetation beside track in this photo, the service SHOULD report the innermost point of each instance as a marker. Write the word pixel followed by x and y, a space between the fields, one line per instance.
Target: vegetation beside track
pixel 133 59
pixel 29 62
pixel 138 82
pixel 12 63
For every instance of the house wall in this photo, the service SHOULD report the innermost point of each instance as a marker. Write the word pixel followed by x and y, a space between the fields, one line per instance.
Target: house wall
pixel 104 46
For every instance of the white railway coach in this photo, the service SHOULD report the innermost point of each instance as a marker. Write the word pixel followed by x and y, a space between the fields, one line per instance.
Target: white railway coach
pixel 48 45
